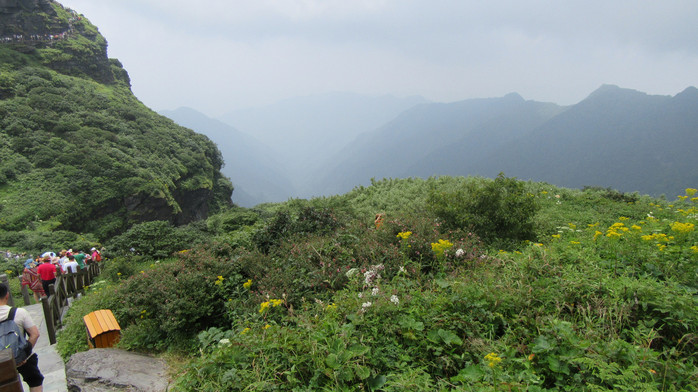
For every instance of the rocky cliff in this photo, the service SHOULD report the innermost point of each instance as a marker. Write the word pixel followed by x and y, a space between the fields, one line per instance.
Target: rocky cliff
pixel 69 43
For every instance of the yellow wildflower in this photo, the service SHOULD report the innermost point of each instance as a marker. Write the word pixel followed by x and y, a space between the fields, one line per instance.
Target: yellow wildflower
pixel 247 284
pixel 575 242
pixel 694 248
pixel 244 331
pixel 556 236
pixel 404 234
pixel 661 247
pixel 441 246
pixel 636 227
pixel 492 359
pixel 219 281
pixel 613 234
pixel 623 218
pixel 263 306
pixel 682 228
pixel 572 226
pixel 597 234
pixel 691 191
pixel 267 326
pixel 276 302
pixel 661 237
pixel 683 198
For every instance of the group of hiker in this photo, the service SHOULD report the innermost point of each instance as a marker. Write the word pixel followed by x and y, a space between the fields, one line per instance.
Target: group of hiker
pixel 34 37
pixel 40 273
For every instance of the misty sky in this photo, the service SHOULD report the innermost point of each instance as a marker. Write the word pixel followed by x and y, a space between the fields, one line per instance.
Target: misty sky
pixel 218 55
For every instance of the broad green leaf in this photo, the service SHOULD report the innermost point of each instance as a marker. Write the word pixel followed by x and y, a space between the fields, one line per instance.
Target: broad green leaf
pixel 541 344
pixel 469 374
pixel 362 372
pixel 332 361
pixel 449 337
pixel 376 382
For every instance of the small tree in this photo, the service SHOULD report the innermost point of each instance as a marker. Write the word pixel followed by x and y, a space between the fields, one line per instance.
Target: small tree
pixel 500 211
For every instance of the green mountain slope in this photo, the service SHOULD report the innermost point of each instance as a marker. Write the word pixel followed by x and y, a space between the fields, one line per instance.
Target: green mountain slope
pixel 78 151
pixel 256 173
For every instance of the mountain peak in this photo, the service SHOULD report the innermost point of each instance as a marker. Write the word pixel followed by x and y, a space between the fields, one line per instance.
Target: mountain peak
pixel 514 97
pixel 611 91
pixel 689 92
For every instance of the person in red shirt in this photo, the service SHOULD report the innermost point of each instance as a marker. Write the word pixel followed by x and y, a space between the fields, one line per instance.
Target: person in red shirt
pixel 47 273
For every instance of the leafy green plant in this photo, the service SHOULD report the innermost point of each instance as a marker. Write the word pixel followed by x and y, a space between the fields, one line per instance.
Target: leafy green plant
pixel 499 211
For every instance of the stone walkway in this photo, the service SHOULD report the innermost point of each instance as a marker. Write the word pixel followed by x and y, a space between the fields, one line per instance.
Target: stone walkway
pixel 50 363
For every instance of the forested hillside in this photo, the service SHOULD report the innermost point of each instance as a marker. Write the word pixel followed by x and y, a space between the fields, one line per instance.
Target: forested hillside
pixel 257 173
pixel 79 153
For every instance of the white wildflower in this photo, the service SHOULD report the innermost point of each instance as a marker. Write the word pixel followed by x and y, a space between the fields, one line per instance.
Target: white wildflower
pixel 223 342
pixel 372 274
pixel 375 291
pixel 460 253
pixel 394 299
pixel 361 295
pixel 352 272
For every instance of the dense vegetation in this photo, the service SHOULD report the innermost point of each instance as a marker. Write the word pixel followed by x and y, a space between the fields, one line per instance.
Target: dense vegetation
pixel 438 284
pixel 80 154
pixel 320 295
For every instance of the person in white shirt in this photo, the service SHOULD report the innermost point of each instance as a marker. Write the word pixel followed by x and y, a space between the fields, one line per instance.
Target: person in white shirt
pixel 71 265
pixel 29 369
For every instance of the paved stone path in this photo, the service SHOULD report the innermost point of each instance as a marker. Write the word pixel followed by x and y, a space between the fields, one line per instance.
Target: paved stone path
pixel 50 363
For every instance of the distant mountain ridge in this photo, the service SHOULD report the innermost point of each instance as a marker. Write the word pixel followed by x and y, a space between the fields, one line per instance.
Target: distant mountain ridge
pixel 427 139
pixel 618 138
pixel 304 132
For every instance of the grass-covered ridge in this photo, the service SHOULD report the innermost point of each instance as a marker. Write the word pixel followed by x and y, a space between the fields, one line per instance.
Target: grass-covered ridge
pixel 318 295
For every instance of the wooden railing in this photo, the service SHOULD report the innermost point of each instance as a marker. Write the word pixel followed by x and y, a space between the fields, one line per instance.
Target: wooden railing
pixel 66 286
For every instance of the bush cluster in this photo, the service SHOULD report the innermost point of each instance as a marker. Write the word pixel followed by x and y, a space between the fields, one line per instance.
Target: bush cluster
pixel 501 211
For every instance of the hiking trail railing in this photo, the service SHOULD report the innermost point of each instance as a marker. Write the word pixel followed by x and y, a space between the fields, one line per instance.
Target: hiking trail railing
pixel 66 286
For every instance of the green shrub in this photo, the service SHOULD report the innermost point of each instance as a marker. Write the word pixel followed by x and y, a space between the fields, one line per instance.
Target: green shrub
pixel 156 239
pixel 500 211
pixel 176 300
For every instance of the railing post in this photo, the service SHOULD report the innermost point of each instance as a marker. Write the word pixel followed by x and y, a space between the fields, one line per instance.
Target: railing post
pixel 3 279
pixel 25 293
pixel 48 317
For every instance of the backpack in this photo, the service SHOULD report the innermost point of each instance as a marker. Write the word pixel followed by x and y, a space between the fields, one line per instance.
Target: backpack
pixel 12 337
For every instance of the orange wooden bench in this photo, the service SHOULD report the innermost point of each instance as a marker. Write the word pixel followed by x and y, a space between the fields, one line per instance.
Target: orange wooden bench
pixel 102 329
